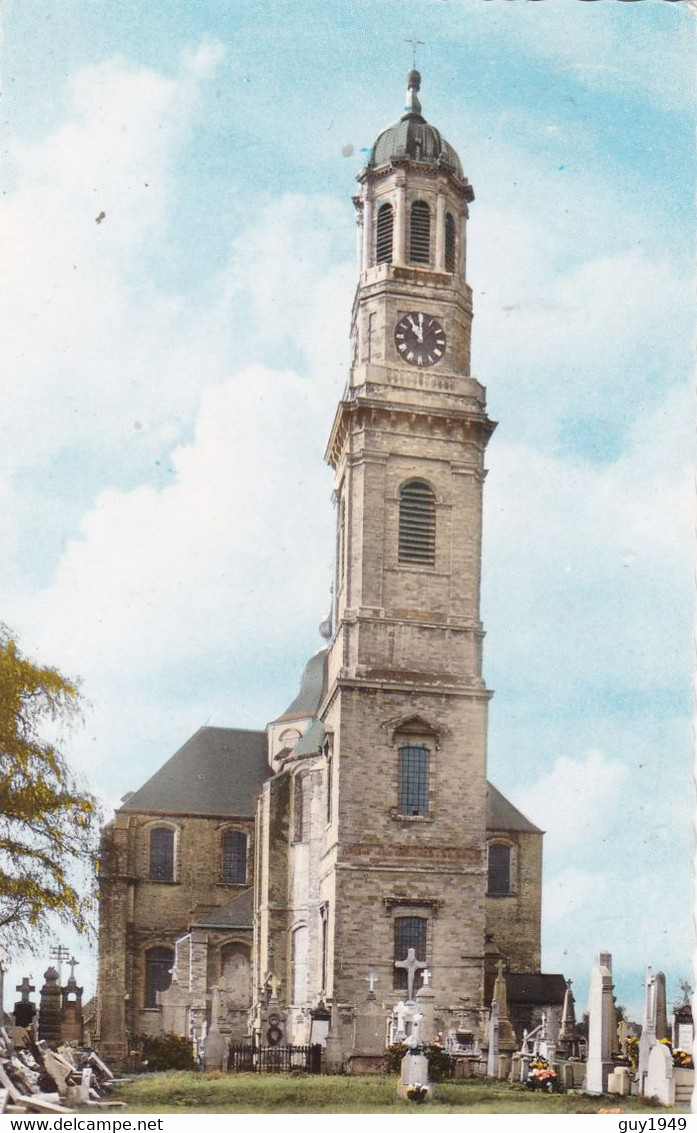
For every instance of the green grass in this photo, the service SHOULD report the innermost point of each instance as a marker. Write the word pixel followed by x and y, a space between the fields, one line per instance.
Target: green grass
pixel 183 1091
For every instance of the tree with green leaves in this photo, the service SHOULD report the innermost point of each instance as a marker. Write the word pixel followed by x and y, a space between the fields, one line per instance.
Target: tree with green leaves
pixel 48 824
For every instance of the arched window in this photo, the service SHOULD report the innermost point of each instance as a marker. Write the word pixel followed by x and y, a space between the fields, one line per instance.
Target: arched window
pixel 234 857
pixel 161 854
pixel 409 932
pixel 417 523
pixel 383 241
pixel 420 233
pixel 499 870
pixel 449 242
pixel 413 779
pixel 299 943
pixel 236 971
pixel 158 973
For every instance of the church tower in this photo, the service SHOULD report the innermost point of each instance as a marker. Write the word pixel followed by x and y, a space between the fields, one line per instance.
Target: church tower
pixel 405 712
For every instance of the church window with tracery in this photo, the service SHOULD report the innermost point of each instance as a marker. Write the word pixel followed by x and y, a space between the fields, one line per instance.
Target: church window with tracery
pixel 420 233
pixel 417 523
pixel 383 241
pixel 413 779
pixel 409 932
pixel 234 855
pixel 449 242
pixel 158 973
pixel 161 854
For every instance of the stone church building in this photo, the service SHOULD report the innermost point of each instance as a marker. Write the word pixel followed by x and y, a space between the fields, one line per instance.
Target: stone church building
pixel 288 864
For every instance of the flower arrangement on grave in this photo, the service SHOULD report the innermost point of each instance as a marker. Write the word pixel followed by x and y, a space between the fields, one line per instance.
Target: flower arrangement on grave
pixel 681 1058
pixel 542 1076
pixel 633 1051
pixel 417 1093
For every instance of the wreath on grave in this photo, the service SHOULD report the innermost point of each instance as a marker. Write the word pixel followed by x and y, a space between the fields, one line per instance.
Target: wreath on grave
pixel 542 1076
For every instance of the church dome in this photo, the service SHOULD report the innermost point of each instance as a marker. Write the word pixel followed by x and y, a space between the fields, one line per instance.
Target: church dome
pixel 414 139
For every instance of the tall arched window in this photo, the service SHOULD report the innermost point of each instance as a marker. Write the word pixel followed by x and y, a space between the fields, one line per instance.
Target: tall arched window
pixel 409 932
pixel 417 523
pixel 383 241
pixel 161 854
pixel 413 779
pixel 449 242
pixel 234 857
pixel 420 233
pixel 499 870
pixel 158 973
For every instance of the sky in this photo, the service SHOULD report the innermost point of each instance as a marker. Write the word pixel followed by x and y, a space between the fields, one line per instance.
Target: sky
pixel 176 206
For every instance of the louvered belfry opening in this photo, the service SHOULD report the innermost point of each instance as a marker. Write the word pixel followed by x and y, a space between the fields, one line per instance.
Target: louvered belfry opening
pixel 420 235
pixel 449 242
pixel 383 243
pixel 417 523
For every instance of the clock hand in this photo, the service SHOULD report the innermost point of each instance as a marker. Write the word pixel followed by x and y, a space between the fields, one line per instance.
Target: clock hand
pixel 420 330
pixel 413 325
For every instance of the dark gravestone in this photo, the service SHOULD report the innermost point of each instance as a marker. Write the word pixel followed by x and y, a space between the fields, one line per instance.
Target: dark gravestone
pixel 24 1009
pixel 50 1009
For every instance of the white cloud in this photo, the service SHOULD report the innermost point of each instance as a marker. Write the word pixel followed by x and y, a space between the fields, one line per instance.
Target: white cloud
pixel 577 801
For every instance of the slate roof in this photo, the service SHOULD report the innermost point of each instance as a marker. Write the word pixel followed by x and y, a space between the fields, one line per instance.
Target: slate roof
pixel 535 988
pixel 312 685
pixel 219 771
pixel 235 913
pixel 502 815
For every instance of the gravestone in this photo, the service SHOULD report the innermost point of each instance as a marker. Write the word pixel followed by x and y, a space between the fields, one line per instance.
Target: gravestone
pixel 216 1044
pixel 683 1024
pixel 369 1028
pixel 414 1066
pixel 648 1030
pixel 492 1060
pixel 24 1009
pixel 72 1023
pixel 601 1026
pixel 660 1082
pixel 50 1009
pixel 661 1015
pixel 507 1038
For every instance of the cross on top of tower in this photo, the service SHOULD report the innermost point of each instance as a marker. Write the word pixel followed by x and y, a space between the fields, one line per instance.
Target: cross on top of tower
pixel 414 44
pixel 72 964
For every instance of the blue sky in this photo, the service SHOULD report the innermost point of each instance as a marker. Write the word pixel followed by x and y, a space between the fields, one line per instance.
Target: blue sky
pixel 170 376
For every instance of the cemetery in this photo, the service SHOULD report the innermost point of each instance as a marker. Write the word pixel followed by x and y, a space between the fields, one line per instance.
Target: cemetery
pixel 399 1054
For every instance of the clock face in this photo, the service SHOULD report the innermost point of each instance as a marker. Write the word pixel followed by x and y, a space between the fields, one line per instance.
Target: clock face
pixel 420 339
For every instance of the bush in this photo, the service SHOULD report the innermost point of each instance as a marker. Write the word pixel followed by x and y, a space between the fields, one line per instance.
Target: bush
pixel 440 1062
pixel 166 1052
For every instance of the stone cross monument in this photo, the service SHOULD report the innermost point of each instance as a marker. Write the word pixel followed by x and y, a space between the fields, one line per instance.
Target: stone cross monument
pixel 412 966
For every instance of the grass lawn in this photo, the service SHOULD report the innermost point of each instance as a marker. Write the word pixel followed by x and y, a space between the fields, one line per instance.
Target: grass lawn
pixel 182 1092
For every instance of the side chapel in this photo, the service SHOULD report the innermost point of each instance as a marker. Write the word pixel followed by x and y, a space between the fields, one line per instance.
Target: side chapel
pixel 294 861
